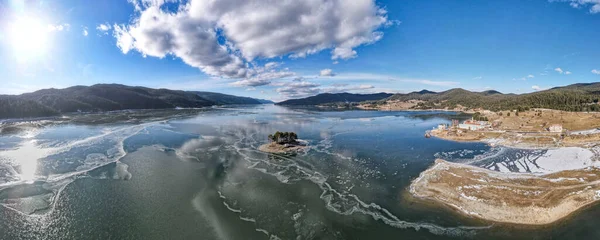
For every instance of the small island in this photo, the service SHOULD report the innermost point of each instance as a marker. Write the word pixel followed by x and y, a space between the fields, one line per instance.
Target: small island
pixel 283 142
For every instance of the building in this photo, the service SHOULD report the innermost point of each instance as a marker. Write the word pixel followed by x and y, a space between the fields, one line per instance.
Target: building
pixel 441 127
pixel 555 128
pixel 474 125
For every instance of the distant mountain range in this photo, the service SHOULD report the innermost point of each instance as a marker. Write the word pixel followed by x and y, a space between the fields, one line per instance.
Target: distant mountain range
pixel 224 99
pixel 109 97
pixel 327 98
pixel 575 97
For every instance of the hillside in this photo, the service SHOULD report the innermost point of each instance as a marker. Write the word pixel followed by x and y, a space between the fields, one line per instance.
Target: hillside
pixel 326 98
pixel 576 97
pixel 15 107
pixel 225 99
pixel 108 97
pixel 265 101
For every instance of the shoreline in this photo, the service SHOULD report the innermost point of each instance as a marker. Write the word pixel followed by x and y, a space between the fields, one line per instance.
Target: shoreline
pixel 514 198
pixel 282 149
pixel 564 182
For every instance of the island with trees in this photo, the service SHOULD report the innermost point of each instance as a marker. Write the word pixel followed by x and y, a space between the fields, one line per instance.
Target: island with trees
pixel 283 142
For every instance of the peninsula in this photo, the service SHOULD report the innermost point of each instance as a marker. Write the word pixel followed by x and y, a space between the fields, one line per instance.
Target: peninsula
pixel 518 198
pixel 565 180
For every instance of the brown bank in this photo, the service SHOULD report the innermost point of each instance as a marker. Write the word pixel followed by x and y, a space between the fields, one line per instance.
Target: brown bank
pixel 508 197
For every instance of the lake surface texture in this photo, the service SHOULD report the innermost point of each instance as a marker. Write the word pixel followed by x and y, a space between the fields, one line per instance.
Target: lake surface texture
pixel 197 174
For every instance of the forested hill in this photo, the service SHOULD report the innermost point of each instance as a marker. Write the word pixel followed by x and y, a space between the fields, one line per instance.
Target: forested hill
pixel 224 99
pixel 107 97
pixel 326 98
pixel 576 97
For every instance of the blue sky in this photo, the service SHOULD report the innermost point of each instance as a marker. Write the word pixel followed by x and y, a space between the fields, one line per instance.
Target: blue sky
pixel 259 48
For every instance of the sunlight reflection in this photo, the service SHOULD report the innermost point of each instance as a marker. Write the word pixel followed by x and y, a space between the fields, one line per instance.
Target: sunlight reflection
pixel 26 157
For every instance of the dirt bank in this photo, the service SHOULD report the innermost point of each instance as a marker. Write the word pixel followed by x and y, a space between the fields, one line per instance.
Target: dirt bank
pixel 508 197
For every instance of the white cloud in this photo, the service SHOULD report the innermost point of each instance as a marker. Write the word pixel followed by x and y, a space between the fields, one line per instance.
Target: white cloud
pixel 326 73
pixel 297 89
pixel 561 71
pixel 59 27
pixel 271 65
pixel 530 76
pixel 594 5
pixel 388 78
pixel 104 28
pixel 261 79
pixel 478 78
pixel 536 87
pixel 85 31
pixel 347 88
pixel 222 37
pixel 597 72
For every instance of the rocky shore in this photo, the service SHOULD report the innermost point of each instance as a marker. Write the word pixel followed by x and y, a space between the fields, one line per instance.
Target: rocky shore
pixel 282 148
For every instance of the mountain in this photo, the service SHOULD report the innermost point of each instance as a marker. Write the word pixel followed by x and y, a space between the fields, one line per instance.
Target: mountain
pixel 107 97
pixel 224 99
pixel 264 101
pixel 425 91
pixel 326 98
pixel 110 97
pixel 15 107
pixel 576 97
pixel 490 92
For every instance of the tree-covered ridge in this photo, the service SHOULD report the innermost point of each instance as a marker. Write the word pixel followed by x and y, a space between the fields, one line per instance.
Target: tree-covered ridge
pixel 284 137
pixel 225 99
pixel 327 98
pixel 107 97
pixel 15 107
pixel 577 97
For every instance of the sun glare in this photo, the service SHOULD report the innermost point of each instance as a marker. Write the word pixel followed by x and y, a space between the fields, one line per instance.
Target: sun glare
pixel 28 38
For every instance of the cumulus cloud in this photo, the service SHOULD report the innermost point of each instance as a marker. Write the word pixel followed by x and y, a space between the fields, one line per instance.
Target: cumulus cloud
pixel 530 76
pixel 271 65
pixel 597 72
pixel 326 73
pixel 104 28
pixel 559 70
pixel 262 79
pixel 593 5
pixel 536 87
pixel 85 31
pixel 222 37
pixel 297 89
pixel 567 73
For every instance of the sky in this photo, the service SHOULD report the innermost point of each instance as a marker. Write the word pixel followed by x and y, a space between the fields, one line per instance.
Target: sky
pixel 282 49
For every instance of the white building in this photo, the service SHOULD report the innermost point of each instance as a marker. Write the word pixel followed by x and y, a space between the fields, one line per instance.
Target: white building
pixel 470 126
pixel 474 125
pixel 555 128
